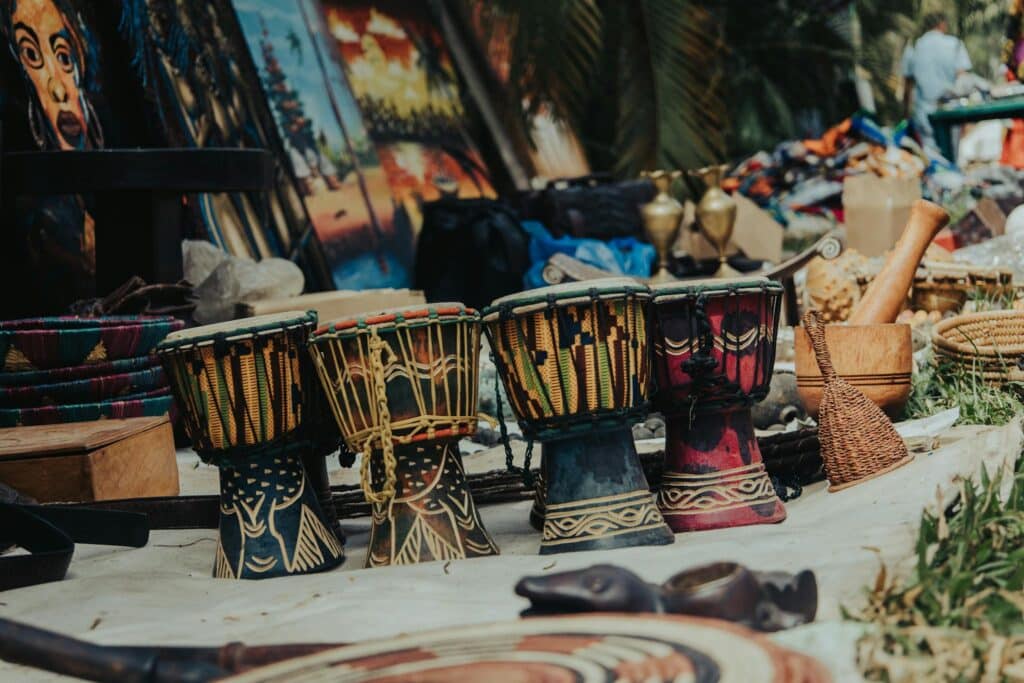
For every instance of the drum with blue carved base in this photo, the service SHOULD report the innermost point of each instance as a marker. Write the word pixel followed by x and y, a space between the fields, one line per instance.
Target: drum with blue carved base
pixel 574 361
pixel 248 398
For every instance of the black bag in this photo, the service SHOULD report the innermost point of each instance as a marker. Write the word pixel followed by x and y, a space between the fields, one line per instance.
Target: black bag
pixel 471 250
pixel 591 206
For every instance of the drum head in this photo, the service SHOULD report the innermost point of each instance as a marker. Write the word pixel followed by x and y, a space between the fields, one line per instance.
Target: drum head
pixel 586 648
pixel 389 317
pixel 567 293
pixel 689 288
pixel 241 329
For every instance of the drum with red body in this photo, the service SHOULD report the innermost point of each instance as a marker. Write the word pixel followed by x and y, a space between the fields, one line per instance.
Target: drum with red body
pixel 714 350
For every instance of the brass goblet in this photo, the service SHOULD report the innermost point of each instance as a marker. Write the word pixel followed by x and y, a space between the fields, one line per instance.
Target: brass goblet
pixel 716 215
pixel 662 217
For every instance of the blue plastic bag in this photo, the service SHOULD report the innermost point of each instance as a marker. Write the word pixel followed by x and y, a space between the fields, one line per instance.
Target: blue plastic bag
pixel 621 256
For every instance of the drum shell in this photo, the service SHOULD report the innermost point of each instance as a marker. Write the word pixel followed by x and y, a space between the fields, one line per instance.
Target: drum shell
pixel 743 329
pixel 430 369
pixel 243 391
pixel 577 362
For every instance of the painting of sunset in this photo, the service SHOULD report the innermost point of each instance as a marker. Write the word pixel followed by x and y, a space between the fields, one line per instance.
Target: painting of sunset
pixel 405 85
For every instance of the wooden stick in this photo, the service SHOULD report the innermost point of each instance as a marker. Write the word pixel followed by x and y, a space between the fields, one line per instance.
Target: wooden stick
pixel 884 298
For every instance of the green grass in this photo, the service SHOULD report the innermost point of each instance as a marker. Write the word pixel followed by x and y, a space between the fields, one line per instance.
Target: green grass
pixel 948 385
pixel 960 615
pixel 992 299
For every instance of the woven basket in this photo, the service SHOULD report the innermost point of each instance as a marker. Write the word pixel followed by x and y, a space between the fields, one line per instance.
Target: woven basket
pixel 990 344
pixel 150 404
pixel 858 442
pixel 46 343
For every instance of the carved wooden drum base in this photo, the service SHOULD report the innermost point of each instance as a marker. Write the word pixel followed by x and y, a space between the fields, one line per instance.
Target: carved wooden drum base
pixel 597 495
pixel 270 521
pixel 714 477
pixel 433 516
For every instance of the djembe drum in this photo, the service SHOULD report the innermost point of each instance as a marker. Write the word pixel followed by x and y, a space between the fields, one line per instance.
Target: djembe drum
pixel 714 352
pixel 403 386
pixel 574 361
pixel 246 391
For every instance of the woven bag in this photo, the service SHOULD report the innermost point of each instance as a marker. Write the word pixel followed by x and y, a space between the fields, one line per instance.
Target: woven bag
pixel 990 344
pixel 858 442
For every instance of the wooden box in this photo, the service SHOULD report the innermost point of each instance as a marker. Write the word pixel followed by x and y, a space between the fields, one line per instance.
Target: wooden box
pixel 331 306
pixel 91 461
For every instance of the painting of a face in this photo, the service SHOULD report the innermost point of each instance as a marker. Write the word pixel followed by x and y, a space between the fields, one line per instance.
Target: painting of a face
pixel 47 51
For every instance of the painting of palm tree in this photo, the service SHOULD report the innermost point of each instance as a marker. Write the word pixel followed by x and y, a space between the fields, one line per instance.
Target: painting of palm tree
pixel 367 240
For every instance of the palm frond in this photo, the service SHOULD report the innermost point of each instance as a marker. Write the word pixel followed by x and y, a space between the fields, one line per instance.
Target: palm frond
pixel 555 46
pixel 671 110
pixel 784 61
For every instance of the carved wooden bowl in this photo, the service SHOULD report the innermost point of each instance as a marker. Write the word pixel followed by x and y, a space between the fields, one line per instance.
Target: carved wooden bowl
pixel 877 359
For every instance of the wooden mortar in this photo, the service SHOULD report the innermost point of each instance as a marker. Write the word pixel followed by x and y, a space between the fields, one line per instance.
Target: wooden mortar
pixel 886 294
pixel 877 359
pixel 872 352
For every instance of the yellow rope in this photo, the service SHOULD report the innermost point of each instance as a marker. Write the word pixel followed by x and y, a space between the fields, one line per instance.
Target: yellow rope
pixel 387 446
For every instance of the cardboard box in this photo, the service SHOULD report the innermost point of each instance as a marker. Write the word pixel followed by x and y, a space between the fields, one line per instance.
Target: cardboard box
pixel 756 234
pixel 83 462
pixel 877 210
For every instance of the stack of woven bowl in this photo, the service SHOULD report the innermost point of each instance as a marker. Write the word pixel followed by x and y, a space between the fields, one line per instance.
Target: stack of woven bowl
pixel 70 369
pixel 990 344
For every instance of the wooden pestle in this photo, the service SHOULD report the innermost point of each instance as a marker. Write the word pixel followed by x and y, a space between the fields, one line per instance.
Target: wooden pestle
pixel 885 295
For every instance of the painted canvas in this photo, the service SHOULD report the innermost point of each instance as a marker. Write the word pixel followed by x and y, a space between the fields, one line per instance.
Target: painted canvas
pixel 405 84
pixel 51 91
pixel 555 152
pixel 197 95
pixel 366 233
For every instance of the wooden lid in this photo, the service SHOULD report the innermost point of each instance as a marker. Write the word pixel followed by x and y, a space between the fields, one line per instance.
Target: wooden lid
pixel 76 437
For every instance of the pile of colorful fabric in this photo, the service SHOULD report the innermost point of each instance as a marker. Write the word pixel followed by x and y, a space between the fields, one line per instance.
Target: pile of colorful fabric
pixel 71 369
pixel 801 181
pixel 805 176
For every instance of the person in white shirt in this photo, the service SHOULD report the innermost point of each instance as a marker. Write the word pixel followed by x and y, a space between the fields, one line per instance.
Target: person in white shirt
pixel 931 67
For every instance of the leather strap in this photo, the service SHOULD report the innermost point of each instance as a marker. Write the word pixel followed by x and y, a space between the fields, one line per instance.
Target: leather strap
pixel 49 535
pixel 172 512
pixel 50 548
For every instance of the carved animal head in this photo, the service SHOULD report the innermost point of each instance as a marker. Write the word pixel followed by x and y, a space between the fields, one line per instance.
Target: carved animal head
pixel 601 588
pixel 788 600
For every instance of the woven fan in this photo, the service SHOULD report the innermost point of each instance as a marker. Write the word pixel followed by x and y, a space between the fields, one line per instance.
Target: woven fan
pixel 858 442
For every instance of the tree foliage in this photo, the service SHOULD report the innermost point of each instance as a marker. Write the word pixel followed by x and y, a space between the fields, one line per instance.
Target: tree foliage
pixel 682 83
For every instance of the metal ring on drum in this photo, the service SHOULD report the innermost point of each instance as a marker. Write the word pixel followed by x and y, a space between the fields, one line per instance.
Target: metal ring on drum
pixel 574 361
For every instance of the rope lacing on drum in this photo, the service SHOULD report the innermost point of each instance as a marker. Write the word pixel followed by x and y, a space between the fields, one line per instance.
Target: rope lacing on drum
pixel 384 435
pixel 701 363
pixel 524 472
pixel 505 313
pixel 234 456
